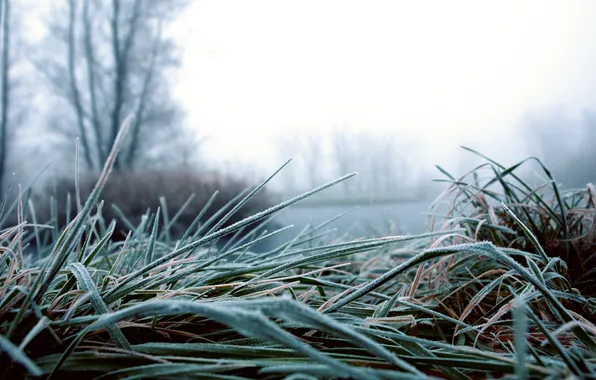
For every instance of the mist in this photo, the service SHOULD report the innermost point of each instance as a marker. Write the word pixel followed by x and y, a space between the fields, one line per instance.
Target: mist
pixel 384 89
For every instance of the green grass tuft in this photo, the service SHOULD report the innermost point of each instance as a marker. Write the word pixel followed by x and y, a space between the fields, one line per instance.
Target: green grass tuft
pixel 496 291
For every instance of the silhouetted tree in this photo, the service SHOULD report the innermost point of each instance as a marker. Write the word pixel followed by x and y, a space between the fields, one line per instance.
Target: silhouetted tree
pixel 12 105
pixel 308 167
pixel 565 143
pixel 4 86
pixel 380 159
pixel 106 60
pixel 312 147
pixel 343 155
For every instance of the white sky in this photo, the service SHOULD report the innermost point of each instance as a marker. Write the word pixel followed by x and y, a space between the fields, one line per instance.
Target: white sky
pixel 440 72
pixel 444 72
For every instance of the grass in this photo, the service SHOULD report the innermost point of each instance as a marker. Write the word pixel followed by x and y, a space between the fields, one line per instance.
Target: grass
pixel 180 194
pixel 493 290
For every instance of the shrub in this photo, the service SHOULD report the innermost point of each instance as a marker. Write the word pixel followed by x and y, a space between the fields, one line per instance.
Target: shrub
pixel 129 195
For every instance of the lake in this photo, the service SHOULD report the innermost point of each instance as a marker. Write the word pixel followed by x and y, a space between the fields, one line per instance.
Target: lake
pixel 363 220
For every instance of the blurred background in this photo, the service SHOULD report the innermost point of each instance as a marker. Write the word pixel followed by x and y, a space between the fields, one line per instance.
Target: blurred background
pixel 387 89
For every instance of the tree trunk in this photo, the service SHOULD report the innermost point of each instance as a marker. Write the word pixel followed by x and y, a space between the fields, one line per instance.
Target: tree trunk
pixel 136 128
pixel 4 88
pixel 90 62
pixel 76 99
pixel 120 53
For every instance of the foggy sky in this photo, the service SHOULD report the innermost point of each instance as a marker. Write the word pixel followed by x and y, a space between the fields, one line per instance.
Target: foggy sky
pixel 445 72
pixel 441 73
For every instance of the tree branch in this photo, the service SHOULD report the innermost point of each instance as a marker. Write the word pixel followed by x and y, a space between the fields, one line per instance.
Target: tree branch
pixel 73 84
pixel 136 128
pixel 90 63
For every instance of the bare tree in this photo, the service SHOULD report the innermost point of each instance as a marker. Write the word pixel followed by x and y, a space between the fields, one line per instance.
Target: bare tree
pixel 343 155
pixel 4 87
pixel 312 155
pixel 388 160
pixel 380 159
pixel 105 60
pixel 12 104
pixel 287 148
pixel 308 168
pixel 565 142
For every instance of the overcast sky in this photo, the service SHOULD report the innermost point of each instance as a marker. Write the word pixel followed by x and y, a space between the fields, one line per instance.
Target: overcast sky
pixel 442 72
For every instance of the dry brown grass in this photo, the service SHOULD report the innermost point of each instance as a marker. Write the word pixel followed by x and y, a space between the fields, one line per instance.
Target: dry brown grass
pixel 135 192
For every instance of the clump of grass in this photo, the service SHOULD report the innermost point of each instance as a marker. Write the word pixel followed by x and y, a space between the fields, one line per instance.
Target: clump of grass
pixel 503 208
pixel 367 309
